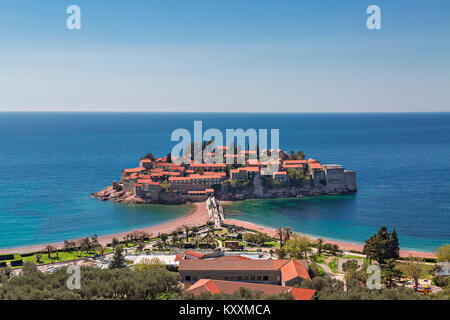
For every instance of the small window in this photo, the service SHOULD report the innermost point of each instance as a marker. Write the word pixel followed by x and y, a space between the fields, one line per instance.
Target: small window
pixel 188 278
pixel 259 278
pixel 227 278
pixel 239 278
pixel 252 278
pixel 265 278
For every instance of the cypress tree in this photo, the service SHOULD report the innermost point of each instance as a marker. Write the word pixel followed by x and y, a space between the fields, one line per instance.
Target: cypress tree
pixel 118 260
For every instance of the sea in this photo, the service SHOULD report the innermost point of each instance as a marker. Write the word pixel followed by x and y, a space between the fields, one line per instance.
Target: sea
pixel 50 163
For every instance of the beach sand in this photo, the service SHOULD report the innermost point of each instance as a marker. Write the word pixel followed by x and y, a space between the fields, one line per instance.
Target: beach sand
pixel 342 245
pixel 196 217
pixel 199 216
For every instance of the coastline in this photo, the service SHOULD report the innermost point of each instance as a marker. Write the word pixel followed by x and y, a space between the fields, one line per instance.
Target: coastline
pixel 342 245
pixel 198 215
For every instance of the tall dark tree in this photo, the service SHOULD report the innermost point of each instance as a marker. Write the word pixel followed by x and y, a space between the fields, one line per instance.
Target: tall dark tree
pixel 118 260
pixel 382 246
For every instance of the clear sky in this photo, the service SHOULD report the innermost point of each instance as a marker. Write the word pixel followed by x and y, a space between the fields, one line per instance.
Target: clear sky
pixel 230 55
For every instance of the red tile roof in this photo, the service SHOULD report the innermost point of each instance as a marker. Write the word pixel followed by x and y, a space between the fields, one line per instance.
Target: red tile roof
pixel 193 253
pixel 315 165
pixel 208 165
pixel 133 170
pixel 166 164
pixel 148 181
pixel 294 161
pixel 293 269
pixel 179 178
pixel 230 287
pixel 232 264
pixel 179 257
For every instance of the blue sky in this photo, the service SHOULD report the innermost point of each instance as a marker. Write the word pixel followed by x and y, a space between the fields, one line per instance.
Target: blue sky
pixel 234 55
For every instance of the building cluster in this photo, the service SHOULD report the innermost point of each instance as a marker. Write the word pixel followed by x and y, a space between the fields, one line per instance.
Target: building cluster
pixel 227 274
pixel 218 273
pixel 196 181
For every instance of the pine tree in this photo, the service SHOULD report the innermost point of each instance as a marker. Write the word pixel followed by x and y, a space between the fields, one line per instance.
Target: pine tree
pixel 382 246
pixel 118 260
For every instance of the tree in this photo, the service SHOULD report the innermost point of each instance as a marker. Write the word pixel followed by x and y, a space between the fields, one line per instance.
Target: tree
pixel 350 265
pixel 38 258
pixel 287 232
pixel 114 242
pixel 149 156
pixel 412 268
pixel 118 260
pixel 84 244
pixel 140 246
pixel 169 158
pixel 164 237
pixel 298 247
pixel 186 229
pixel 49 248
pixel 29 267
pixel 319 246
pixel 382 246
pixel 194 230
pixel 390 272
pixel 443 253
pixel 280 235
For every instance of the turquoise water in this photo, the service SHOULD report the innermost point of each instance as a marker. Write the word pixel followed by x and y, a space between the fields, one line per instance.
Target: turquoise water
pixel 51 162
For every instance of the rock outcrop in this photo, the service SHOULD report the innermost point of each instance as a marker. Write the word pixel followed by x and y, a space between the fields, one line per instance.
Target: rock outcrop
pixel 109 193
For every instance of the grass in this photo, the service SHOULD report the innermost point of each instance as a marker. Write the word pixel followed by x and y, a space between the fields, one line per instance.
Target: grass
pixel 333 264
pixel 62 256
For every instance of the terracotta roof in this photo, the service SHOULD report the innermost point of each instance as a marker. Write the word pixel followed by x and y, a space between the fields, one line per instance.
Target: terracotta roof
pixel 179 257
pixel 210 165
pixel 166 164
pixel 148 181
pixel 146 160
pixel 196 192
pixel 294 269
pixel 132 170
pixel 312 160
pixel 280 173
pixel 232 264
pixel 230 287
pixel 315 165
pixel 209 190
pixel 209 176
pixel 179 178
pixel 193 253
pixel 295 161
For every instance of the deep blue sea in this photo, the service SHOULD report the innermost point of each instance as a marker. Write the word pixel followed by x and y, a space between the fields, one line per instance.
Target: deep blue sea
pixel 50 163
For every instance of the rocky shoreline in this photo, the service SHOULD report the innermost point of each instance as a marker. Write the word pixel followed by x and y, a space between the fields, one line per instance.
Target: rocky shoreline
pixel 109 193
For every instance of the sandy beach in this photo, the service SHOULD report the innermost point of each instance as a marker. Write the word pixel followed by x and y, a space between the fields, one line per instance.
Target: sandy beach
pixel 196 217
pixel 343 245
pixel 199 216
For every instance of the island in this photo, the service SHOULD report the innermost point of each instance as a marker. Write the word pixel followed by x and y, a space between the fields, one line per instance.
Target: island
pixel 170 181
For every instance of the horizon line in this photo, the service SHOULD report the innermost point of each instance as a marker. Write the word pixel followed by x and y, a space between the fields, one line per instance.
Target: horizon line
pixel 222 112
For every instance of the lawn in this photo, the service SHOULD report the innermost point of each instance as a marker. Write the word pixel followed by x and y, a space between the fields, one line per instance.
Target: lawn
pixel 62 256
